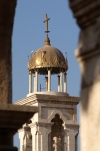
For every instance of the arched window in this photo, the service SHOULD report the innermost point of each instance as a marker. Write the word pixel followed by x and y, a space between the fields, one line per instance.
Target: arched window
pixel 57 134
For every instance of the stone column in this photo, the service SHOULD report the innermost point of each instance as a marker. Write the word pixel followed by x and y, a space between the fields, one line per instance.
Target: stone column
pixel 65 82
pixel 65 143
pixel 68 143
pixel 40 132
pixel 49 80
pixel 58 83
pixel 87 14
pixel 25 138
pixel 71 142
pixel 30 82
pixel 21 137
pixel 46 83
pixel 33 132
pixel 36 81
pixel 36 137
pixel 45 129
pixel 34 84
pixel 61 83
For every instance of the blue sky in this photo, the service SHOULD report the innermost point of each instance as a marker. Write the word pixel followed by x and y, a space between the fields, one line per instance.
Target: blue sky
pixel 28 35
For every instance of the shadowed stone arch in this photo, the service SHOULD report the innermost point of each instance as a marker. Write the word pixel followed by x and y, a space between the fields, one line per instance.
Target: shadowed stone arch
pixel 52 115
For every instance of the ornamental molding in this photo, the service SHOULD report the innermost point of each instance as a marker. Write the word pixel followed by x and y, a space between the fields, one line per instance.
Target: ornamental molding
pixel 41 98
pixel 41 124
pixel 72 126
pixel 52 115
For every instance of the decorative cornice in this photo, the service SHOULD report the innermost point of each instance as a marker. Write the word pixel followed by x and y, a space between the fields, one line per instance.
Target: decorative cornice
pixel 86 12
pixel 27 99
pixel 58 102
pixel 40 124
pixel 41 98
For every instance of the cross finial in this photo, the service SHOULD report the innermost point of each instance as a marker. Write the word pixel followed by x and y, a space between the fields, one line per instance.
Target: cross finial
pixel 46 21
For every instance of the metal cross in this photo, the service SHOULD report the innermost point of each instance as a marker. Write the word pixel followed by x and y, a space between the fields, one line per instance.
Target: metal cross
pixel 46 21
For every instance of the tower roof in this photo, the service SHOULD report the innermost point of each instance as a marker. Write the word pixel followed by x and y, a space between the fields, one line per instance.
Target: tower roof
pixel 47 57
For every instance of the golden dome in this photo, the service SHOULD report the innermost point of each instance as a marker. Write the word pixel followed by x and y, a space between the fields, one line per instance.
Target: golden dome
pixel 47 57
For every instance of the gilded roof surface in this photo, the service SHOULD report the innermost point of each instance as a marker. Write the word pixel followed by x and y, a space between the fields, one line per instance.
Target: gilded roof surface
pixel 47 57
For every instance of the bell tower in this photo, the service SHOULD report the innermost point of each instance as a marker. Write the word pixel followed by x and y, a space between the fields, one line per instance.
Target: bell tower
pixel 54 127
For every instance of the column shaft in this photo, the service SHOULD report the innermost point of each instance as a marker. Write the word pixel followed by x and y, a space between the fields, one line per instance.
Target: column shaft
pixel 46 83
pixel 65 82
pixel 58 83
pixel 71 141
pixel 49 80
pixel 65 143
pixel 61 84
pixel 33 132
pixel 36 81
pixel 21 138
pixel 30 82
pixel 34 85
pixel 68 147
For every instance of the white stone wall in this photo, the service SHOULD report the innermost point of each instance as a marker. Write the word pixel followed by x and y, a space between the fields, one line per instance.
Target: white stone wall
pixel 41 127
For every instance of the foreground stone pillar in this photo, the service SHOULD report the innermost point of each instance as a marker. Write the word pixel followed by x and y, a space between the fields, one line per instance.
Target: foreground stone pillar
pixel 87 14
pixel 7 12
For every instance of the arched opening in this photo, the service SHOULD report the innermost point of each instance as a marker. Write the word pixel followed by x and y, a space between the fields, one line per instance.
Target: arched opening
pixel 57 134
